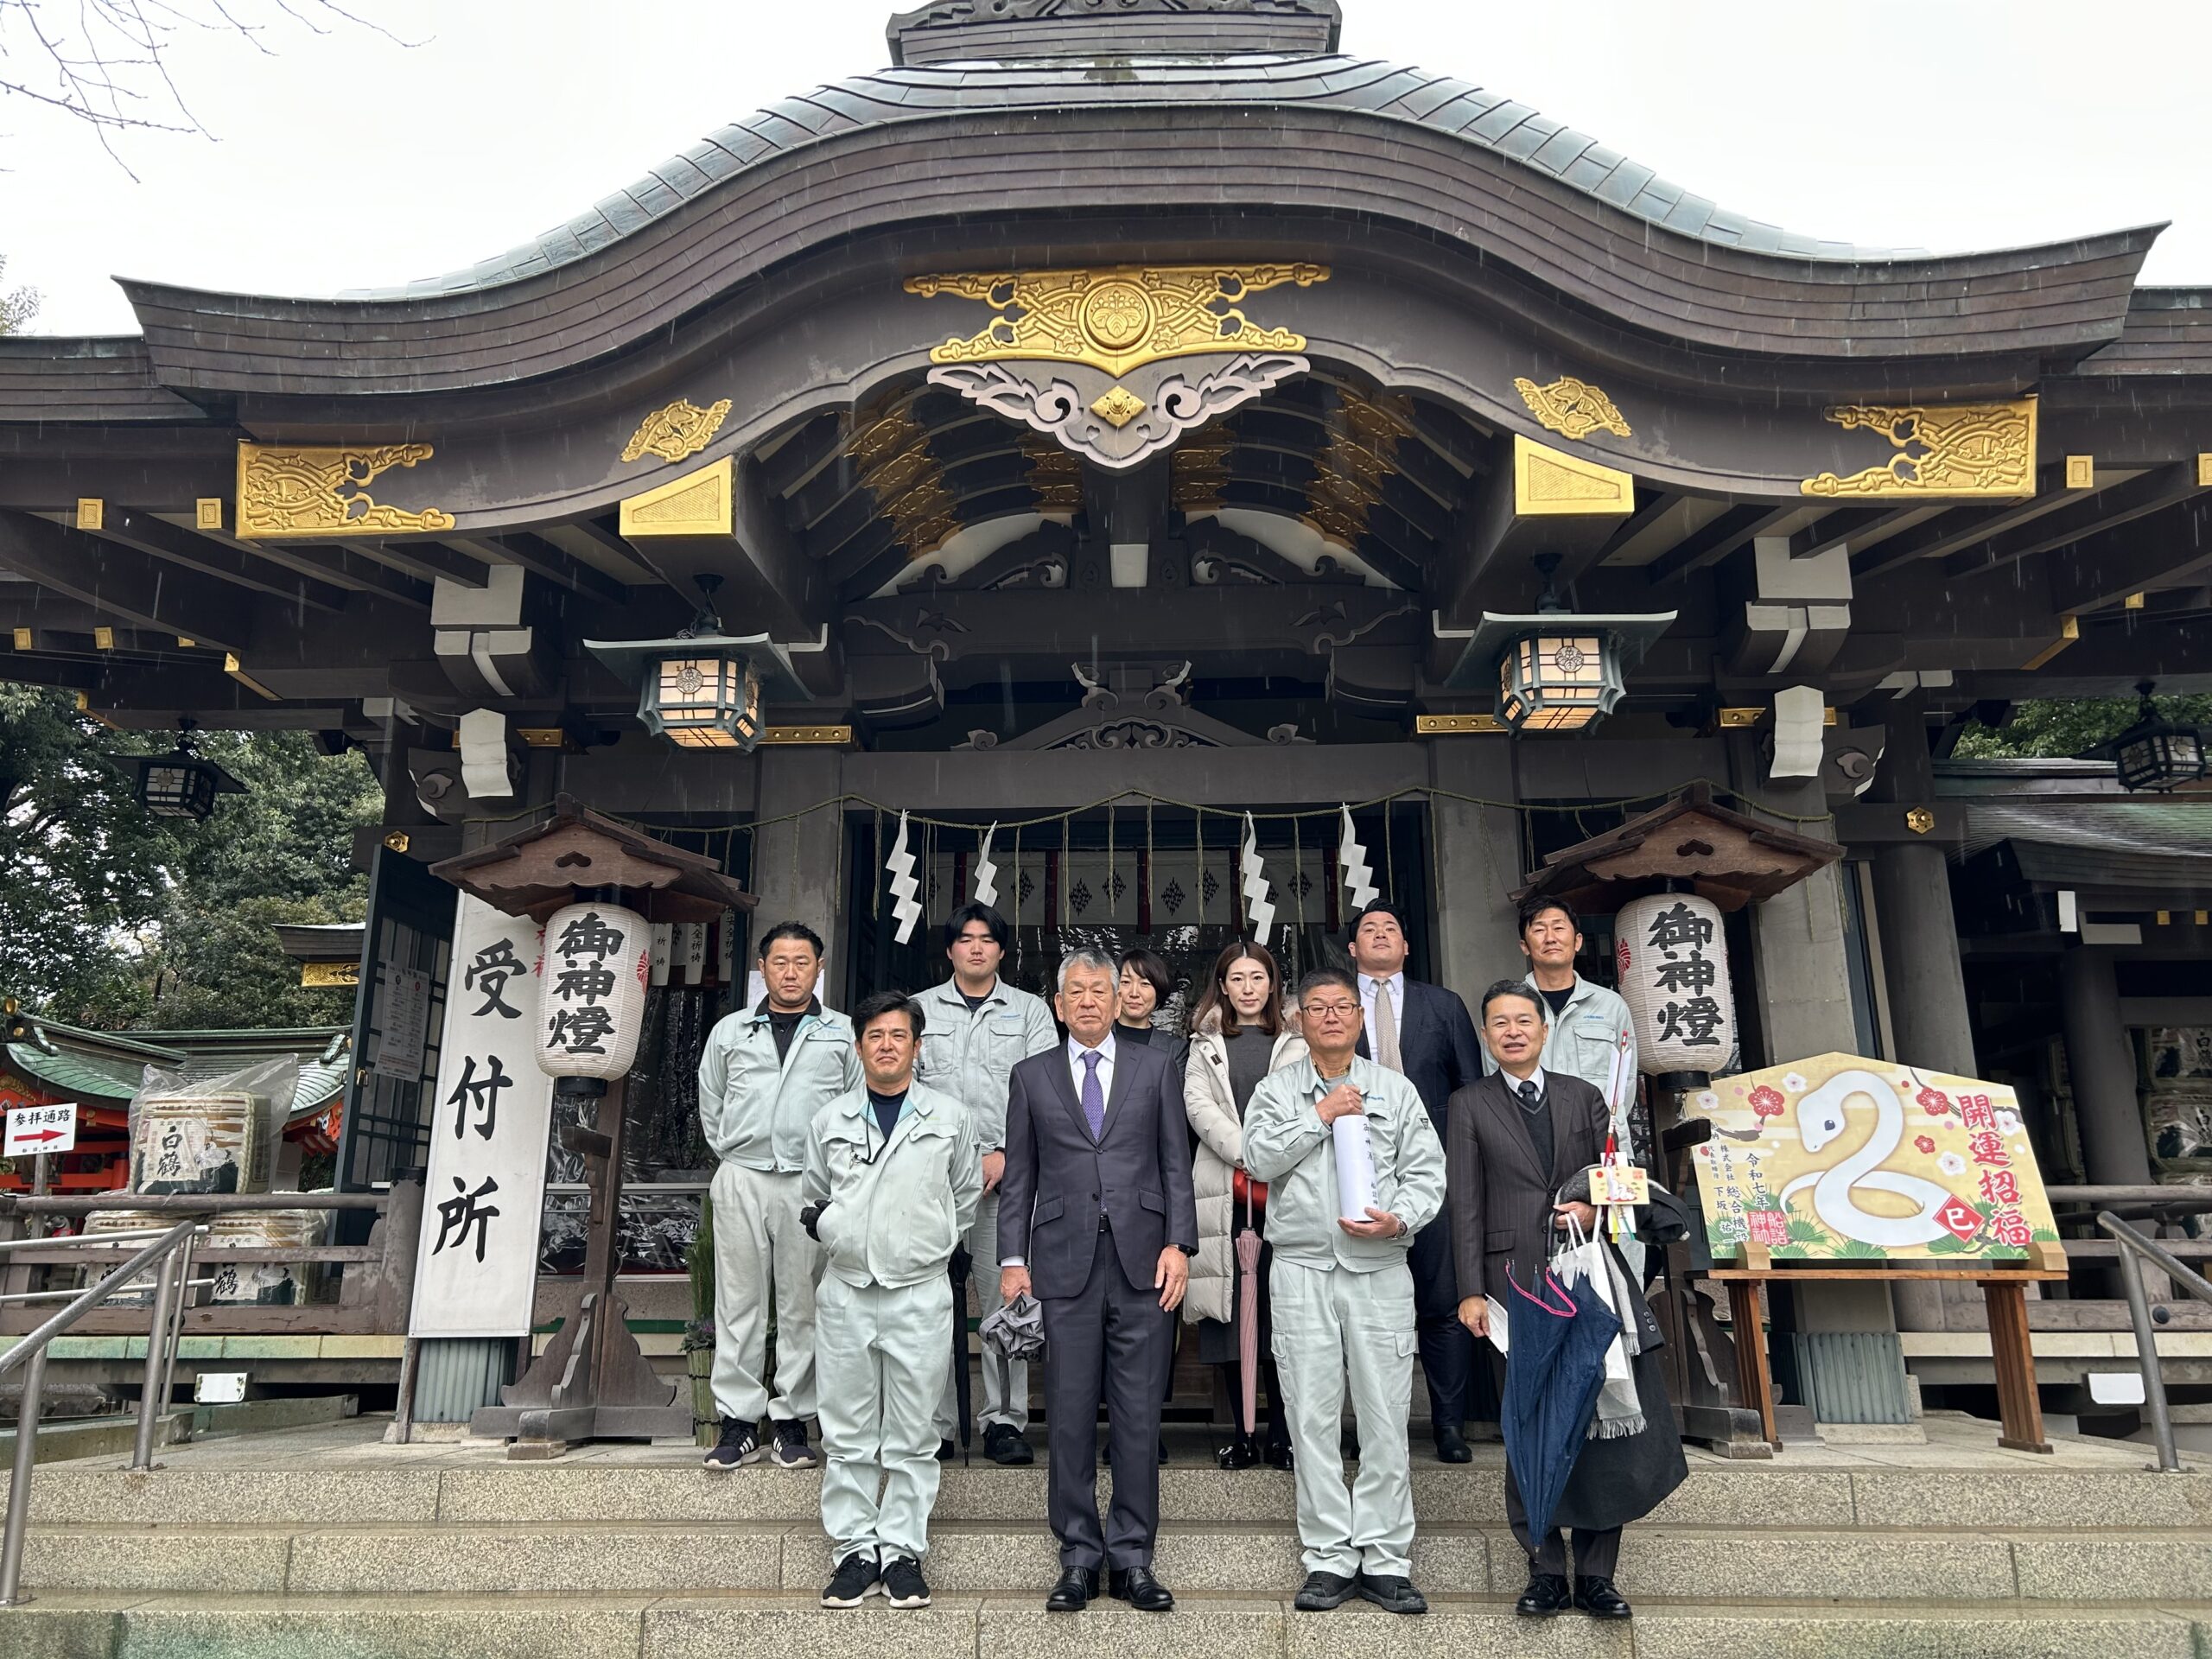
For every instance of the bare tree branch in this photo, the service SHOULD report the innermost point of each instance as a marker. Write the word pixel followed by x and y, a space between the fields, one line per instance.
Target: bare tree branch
pixel 106 62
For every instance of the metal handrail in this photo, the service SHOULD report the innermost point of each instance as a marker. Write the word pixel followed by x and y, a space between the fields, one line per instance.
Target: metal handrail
pixel 2136 1248
pixel 170 1256
pixel 172 1252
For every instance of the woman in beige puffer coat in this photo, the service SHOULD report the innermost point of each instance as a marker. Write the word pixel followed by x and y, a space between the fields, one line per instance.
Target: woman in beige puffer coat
pixel 1238 1035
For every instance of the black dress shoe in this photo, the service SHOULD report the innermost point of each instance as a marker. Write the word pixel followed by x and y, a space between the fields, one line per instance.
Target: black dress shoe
pixel 1321 1592
pixel 1277 1455
pixel 1137 1585
pixel 1598 1598
pixel 1392 1594
pixel 1451 1446
pixel 1073 1593
pixel 947 1451
pixel 1546 1594
pixel 1002 1443
pixel 1239 1453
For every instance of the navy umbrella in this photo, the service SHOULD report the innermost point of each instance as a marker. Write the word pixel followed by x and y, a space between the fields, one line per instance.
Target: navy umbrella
pixel 959 1268
pixel 1554 1366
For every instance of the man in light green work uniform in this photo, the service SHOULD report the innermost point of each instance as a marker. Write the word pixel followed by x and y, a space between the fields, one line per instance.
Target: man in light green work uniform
pixel 894 1175
pixel 766 1072
pixel 1343 1296
pixel 978 1028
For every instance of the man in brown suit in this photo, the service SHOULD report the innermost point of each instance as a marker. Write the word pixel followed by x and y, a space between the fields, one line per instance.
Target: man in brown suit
pixel 1514 1141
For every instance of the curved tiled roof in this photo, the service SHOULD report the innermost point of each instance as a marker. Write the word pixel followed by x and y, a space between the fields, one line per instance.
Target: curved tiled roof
pixel 1478 116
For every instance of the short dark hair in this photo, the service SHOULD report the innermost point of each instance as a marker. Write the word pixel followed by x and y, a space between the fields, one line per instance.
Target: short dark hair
pixel 875 1008
pixel 1320 976
pixel 1537 903
pixel 789 930
pixel 955 924
pixel 1152 969
pixel 1380 907
pixel 1519 987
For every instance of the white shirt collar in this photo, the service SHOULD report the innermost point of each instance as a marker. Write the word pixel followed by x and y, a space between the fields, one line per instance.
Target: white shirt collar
pixel 1536 1077
pixel 1369 982
pixel 1077 1051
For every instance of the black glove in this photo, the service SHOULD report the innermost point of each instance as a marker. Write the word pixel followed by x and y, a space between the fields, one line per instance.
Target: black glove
pixel 809 1218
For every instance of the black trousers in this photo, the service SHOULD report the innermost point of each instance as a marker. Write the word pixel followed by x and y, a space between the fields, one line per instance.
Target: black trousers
pixel 1109 1341
pixel 1448 1348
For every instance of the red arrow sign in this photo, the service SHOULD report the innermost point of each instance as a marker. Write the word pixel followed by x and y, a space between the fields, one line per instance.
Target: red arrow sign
pixel 40 1134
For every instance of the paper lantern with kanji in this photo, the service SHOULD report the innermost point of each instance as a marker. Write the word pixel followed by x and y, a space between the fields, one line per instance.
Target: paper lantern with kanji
pixel 1672 960
pixel 591 997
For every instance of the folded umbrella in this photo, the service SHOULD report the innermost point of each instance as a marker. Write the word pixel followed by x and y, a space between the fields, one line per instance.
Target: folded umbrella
pixel 1017 1330
pixel 962 1386
pixel 1248 1316
pixel 1555 1366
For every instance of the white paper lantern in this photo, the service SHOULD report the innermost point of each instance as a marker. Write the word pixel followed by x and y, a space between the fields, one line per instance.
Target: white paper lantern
pixel 591 996
pixel 1673 957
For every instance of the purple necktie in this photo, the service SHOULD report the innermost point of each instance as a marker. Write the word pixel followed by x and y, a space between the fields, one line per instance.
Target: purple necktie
pixel 1094 1097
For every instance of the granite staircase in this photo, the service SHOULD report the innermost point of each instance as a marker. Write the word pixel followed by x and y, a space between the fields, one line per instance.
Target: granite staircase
pixel 324 1542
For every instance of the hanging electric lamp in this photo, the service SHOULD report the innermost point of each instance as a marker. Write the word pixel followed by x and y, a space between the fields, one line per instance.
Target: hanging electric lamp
pixel 2154 753
pixel 700 690
pixel 1556 671
pixel 182 784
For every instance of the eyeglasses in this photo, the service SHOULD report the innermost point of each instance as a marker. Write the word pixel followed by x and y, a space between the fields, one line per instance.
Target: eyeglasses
pixel 1330 1010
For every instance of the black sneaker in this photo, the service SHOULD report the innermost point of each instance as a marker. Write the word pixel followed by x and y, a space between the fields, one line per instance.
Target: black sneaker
pixel 849 1584
pixel 791 1450
pixel 1321 1592
pixel 903 1584
pixel 738 1444
pixel 1391 1593
pixel 946 1451
pixel 1002 1443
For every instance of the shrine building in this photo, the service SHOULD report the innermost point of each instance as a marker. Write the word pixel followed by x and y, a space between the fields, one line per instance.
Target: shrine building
pixel 1107 421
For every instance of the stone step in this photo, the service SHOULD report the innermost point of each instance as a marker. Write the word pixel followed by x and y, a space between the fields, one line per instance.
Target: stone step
pixel 742 1625
pixel 364 1491
pixel 1658 1563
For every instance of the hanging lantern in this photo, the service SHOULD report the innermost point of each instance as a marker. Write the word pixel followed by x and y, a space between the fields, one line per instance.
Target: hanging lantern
pixel 2154 753
pixel 1558 682
pixel 591 995
pixel 1555 670
pixel 703 699
pixel 182 784
pixel 703 688
pixel 1672 957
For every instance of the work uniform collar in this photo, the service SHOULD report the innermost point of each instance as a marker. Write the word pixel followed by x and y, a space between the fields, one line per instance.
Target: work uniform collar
pixel 1580 988
pixel 762 1013
pixel 1313 1086
pixel 951 994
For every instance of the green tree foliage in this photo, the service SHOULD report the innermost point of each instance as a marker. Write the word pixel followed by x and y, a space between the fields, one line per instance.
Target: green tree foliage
pixel 18 307
pixel 114 919
pixel 2053 728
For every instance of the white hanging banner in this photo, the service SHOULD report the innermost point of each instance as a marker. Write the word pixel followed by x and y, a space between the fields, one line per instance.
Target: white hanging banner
pixel 1673 959
pixel 1256 904
pixel 476 1265
pixel 1351 858
pixel 904 886
pixel 987 874
pixel 690 951
pixel 591 1008
pixel 663 938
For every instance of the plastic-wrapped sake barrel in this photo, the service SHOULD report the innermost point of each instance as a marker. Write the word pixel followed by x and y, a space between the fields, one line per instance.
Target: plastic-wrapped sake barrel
pixel 139 1293
pixel 202 1143
pixel 272 1284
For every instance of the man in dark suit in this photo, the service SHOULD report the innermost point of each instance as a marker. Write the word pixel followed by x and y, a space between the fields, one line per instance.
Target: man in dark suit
pixel 1098 1216
pixel 1422 1031
pixel 1519 1141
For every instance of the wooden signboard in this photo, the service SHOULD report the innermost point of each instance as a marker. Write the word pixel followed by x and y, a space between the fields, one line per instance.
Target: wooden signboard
pixel 1839 1166
pixel 1841 1159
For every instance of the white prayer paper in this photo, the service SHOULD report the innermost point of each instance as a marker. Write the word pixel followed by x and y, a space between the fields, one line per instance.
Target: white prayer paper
pixel 1354 1167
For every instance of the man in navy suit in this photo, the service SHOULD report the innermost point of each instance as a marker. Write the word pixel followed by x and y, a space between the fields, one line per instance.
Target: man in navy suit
pixel 1097 1223
pixel 1423 1033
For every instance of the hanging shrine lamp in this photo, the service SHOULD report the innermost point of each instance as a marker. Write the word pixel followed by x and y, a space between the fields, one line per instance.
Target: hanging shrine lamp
pixel 1556 671
pixel 2154 753
pixel 701 689
pixel 182 784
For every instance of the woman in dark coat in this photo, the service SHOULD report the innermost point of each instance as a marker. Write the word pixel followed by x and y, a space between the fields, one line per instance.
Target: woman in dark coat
pixel 1518 1147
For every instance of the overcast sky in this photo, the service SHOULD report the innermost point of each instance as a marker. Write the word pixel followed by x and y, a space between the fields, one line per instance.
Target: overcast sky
pixel 347 161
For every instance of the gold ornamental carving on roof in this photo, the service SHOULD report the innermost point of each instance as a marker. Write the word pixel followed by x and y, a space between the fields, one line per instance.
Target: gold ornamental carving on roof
pixel 287 490
pixel 682 430
pixel 1575 408
pixel 1940 449
pixel 1116 318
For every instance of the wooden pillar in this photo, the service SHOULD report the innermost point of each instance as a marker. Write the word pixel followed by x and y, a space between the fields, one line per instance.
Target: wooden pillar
pixel 2101 1061
pixel 797 860
pixel 1478 855
pixel 1912 909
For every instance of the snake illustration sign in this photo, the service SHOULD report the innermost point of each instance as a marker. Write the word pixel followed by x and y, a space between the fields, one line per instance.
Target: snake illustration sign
pixel 1840 1158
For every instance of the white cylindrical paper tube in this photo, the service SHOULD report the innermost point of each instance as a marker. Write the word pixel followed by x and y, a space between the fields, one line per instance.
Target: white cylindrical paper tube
pixel 1355 1167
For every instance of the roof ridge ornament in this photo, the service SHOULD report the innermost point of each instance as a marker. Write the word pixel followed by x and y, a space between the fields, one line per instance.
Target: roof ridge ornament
pixel 968 30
